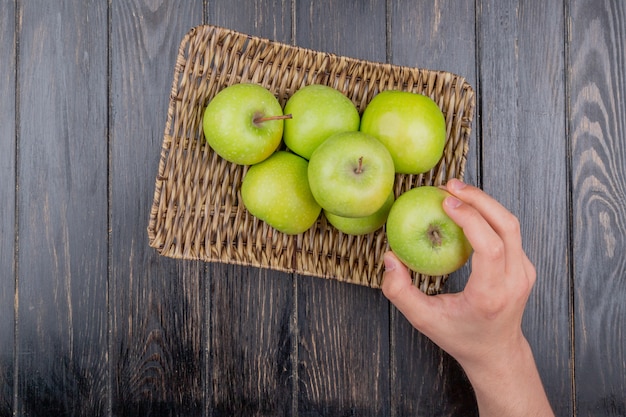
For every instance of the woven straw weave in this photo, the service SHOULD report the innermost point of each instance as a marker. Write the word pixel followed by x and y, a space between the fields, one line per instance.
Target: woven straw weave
pixel 197 211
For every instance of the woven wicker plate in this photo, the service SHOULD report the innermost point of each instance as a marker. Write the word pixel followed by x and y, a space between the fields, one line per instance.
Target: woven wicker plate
pixel 197 211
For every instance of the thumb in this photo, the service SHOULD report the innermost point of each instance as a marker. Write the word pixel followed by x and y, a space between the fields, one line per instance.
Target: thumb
pixel 399 289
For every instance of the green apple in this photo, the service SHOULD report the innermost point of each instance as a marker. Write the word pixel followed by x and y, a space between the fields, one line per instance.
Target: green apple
pixel 423 236
pixel 361 225
pixel 410 125
pixel 318 111
pixel 277 191
pixel 351 174
pixel 243 123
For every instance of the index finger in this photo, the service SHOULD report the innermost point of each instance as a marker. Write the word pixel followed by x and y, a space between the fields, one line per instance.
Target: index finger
pixel 500 220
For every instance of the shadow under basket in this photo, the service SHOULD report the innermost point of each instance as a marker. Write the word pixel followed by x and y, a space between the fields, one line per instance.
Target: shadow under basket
pixel 197 212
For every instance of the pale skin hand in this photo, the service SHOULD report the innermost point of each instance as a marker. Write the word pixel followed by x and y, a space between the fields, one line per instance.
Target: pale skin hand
pixel 481 326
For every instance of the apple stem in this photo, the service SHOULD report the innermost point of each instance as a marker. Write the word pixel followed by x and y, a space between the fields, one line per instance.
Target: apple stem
pixel 434 235
pixel 359 168
pixel 257 120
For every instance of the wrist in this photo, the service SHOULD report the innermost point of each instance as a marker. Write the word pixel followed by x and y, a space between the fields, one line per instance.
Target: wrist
pixel 499 362
pixel 508 383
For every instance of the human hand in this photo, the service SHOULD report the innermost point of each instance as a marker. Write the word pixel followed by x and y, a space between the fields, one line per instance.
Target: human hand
pixel 485 318
pixel 481 325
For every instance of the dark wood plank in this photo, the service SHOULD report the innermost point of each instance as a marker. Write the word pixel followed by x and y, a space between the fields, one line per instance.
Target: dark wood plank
pixel 343 329
pixel 598 128
pixel 7 214
pixel 525 164
pixel 270 19
pixel 62 208
pixel 343 350
pixel 436 36
pixel 350 28
pixel 251 342
pixel 158 337
pixel 252 310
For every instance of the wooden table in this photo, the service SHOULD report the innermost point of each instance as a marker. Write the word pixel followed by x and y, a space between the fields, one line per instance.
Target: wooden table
pixel 93 322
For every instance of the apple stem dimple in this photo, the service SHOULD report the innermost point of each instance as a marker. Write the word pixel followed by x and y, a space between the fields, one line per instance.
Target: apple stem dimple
pixel 434 235
pixel 260 119
pixel 359 168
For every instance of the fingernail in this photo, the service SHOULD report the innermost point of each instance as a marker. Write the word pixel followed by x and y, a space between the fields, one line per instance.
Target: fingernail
pixel 456 184
pixel 452 202
pixel 390 264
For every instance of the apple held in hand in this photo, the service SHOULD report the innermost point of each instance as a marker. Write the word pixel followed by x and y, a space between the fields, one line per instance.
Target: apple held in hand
pixel 361 225
pixel 243 123
pixel 410 125
pixel 318 111
pixel 351 174
pixel 277 192
pixel 422 235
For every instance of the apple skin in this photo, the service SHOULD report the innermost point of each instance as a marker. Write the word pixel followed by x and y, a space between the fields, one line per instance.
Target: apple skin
pixel 351 174
pixel 416 222
pixel 318 111
pixel 229 126
pixel 277 191
pixel 357 226
pixel 410 125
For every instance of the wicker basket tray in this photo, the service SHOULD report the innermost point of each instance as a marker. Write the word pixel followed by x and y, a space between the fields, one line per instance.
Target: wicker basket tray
pixel 197 211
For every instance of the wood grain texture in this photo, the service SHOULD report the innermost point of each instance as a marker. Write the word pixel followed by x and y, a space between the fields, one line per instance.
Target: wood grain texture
pixel 353 28
pixel 440 36
pixel 7 214
pixel 158 334
pixel 62 206
pixel 251 313
pixel 343 351
pixel 524 155
pixel 251 342
pixel 270 19
pixel 598 130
